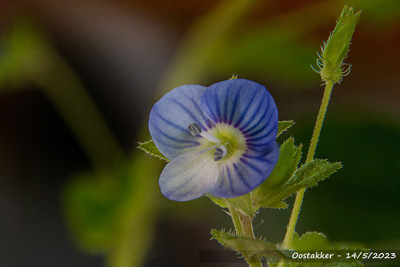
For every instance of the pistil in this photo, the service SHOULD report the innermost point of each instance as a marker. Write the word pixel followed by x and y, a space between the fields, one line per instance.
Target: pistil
pixel 219 153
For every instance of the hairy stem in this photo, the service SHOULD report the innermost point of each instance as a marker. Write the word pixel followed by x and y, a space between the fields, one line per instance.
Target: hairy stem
pixel 237 222
pixel 320 121
pixel 244 228
pixel 310 156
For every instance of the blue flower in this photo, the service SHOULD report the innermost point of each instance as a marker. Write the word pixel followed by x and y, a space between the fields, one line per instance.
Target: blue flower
pixel 220 139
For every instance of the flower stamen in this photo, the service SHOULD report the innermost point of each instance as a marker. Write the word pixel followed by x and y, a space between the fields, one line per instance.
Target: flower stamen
pixel 195 130
pixel 219 153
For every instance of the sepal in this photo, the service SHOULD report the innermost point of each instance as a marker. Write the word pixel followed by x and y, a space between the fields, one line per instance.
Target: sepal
pixel 150 148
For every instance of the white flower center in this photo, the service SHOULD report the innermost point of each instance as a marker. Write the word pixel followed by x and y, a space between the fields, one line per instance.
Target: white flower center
pixel 220 149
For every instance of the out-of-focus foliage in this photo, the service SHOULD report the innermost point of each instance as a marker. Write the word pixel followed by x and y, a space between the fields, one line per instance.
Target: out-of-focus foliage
pixel 30 58
pixel 113 211
pixel 276 48
pixel 203 41
pixel 24 52
pixel 274 54
pixel 378 12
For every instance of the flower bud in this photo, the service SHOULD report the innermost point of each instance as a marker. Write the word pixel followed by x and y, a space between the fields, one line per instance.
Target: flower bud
pixel 335 49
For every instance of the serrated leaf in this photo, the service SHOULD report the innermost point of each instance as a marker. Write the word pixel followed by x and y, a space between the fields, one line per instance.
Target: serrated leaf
pixel 150 148
pixel 275 205
pixel 283 126
pixel 256 248
pixel 317 170
pixel 306 176
pixel 289 159
pixel 222 235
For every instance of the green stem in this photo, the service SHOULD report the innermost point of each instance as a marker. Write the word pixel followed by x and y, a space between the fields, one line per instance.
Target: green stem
pixel 236 222
pixel 247 225
pixel 244 228
pixel 320 121
pixel 310 155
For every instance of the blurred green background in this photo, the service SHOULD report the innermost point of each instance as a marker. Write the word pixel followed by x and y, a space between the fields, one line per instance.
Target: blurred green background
pixel 77 82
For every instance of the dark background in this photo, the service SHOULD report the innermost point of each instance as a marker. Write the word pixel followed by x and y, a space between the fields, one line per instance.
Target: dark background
pixel 125 54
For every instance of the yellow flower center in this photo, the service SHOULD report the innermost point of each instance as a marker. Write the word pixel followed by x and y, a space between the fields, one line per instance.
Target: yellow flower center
pixel 231 138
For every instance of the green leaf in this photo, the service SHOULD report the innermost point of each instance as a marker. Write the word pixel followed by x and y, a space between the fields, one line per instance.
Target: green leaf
pixel 283 126
pixel 256 248
pixel 317 170
pixel 306 176
pixel 150 148
pixel 289 159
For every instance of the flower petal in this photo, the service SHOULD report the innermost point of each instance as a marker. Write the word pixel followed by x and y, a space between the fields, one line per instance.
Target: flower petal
pixel 189 176
pixel 170 117
pixel 247 106
pixel 242 176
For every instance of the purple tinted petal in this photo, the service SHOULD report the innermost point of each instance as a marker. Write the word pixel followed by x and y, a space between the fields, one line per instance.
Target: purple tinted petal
pixel 170 117
pixel 246 105
pixel 241 177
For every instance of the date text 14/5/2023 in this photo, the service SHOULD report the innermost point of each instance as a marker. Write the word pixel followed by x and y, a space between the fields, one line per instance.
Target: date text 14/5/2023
pixel 325 255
